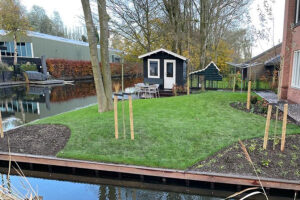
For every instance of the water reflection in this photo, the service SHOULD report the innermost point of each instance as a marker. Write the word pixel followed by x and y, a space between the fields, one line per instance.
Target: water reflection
pixel 23 104
pixel 65 190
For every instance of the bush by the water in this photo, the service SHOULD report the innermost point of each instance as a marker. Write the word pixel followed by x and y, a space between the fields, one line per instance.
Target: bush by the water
pixel 72 68
pixel 5 67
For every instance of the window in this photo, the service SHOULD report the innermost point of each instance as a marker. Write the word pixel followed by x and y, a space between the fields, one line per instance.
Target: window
pixel 297 20
pixel 24 49
pixel 169 69
pixel 117 59
pixel 153 68
pixel 296 70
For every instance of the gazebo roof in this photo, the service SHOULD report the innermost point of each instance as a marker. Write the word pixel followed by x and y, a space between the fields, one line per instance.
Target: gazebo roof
pixel 201 70
pixel 211 72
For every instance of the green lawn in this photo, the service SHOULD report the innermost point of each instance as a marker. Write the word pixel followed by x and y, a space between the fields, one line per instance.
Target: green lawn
pixel 169 132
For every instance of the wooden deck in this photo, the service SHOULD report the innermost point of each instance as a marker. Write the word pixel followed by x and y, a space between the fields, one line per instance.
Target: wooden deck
pixel 153 172
pixel 47 82
pixel 17 83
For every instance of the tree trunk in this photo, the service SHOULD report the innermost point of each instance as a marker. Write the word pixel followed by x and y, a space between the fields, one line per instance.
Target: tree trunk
pixel 15 49
pixel 203 31
pixel 92 39
pixel 104 35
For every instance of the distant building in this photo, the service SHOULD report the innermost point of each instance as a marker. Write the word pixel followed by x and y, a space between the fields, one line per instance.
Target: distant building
pixel 290 53
pixel 39 44
pixel 267 61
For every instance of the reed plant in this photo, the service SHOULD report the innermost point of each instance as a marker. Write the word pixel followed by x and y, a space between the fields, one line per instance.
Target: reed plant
pixel 10 192
pixel 116 87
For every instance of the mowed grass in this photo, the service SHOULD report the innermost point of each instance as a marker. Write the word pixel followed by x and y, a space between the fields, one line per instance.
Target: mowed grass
pixel 173 132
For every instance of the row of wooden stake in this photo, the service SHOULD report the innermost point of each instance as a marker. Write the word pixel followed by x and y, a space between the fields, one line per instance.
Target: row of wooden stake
pixel 130 117
pixel 284 122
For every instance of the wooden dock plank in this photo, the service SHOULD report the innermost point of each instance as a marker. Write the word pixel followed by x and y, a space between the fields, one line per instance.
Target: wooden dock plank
pixel 158 172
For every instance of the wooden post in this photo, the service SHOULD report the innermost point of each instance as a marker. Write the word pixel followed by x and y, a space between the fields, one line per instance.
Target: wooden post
pixel 284 121
pixel 267 127
pixel 249 95
pixel 275 128
pixel 116 116
pixel 1 127
pixel 131 117
pixel 188 85
pixel 203 84
pixel 188 79
pixel 234 80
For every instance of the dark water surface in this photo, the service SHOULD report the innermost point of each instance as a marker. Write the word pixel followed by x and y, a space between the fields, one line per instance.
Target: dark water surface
pixel 21 104
pixel 67 190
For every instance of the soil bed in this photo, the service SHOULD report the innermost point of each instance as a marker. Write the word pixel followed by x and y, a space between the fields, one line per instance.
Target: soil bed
pixel 44 139
pixel 268 163
pixel 262 110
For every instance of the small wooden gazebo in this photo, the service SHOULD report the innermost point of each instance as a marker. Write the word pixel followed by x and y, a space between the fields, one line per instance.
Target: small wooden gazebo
pixel 210 73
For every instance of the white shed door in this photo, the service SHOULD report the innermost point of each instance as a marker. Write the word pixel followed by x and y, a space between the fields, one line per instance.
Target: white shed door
pixel 169 73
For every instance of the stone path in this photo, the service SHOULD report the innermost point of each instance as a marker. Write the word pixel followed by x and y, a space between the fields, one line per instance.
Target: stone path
pixel 271 97
pixel 294 109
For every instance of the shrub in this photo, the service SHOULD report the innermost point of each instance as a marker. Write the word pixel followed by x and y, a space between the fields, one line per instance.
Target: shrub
pixel 29 67
pixel 178 89
pixel 253 99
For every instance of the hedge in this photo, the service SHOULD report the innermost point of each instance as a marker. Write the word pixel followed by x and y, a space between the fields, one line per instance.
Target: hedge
pixel 60 68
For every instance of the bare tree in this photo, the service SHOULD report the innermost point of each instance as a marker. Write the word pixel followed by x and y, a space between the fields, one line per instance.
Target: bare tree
pixel 193 28
pixel 92 39
pixel 174 14
pixel 136 21
pixel 104 35
pixel 217 17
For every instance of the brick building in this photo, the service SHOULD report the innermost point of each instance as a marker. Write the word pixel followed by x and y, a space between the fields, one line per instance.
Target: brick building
pixel 290 53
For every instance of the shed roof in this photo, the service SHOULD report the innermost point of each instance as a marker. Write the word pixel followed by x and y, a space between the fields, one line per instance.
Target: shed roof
pixel 163 50
pixel 243 65
pixel 273 61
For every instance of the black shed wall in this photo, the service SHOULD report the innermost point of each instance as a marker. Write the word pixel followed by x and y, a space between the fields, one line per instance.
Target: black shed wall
pixel 180 79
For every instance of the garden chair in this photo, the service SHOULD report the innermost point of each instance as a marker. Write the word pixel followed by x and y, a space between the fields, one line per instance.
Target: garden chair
pixel 157 89
pixel 139 89
pixel 153 90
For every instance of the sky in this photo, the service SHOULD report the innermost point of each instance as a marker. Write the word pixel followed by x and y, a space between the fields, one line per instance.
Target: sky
pixel 70 10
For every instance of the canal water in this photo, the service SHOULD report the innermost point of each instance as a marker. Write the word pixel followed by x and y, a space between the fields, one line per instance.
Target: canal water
pixel 68 190
pixel 22 104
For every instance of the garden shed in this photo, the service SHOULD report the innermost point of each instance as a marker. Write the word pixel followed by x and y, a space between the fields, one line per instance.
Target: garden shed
pixel 210 74
pixel 165 68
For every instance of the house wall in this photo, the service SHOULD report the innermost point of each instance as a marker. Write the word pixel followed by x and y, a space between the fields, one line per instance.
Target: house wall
pixel 260 70
pixel 291 43
pixel 180 80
